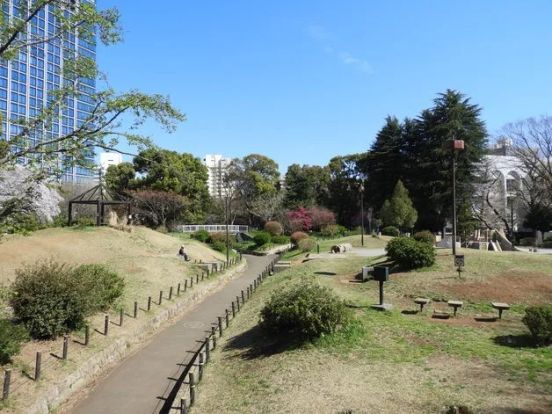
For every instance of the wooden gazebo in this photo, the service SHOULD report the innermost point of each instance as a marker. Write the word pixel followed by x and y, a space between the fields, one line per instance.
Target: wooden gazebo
pixel 99 196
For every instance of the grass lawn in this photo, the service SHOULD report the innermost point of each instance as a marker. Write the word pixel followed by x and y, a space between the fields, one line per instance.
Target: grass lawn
pixel 148 262
pixel 326 244
pixel 395 362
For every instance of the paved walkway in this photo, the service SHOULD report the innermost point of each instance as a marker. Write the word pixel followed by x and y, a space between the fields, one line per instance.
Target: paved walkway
pixel 140 382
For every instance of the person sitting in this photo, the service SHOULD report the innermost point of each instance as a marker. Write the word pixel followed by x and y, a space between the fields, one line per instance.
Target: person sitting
pixel 182 253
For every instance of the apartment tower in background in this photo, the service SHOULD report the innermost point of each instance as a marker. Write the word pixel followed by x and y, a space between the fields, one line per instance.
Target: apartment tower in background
pixel 27 82
pixel 217 165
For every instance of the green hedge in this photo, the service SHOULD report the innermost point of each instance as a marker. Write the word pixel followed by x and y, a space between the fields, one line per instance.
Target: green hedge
pixel 425 236
pixel 281 239
pixel 261 238
pixel 11 337
pixel 538 320
pixel 409 253
pixel 333 230
pixel 390 231
pixel 303 311
pixel 201 235
pixel 50 298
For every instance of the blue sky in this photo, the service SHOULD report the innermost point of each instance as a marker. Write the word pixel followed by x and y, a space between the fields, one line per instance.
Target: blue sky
pixel 302 81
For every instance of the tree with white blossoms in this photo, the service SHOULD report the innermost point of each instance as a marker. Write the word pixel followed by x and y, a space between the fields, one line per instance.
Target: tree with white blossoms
pixel 22 192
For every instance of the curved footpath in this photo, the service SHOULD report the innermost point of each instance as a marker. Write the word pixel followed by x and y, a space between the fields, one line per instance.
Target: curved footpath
pixel 141 382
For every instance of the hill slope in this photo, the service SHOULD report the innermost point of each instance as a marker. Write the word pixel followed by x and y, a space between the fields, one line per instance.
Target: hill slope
pixel 145 258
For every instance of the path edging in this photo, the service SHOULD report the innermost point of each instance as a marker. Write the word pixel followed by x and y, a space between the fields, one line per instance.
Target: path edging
pixel 54 395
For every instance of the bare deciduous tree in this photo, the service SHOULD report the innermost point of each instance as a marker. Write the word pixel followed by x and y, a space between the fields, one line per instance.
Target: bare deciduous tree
pixel 532 144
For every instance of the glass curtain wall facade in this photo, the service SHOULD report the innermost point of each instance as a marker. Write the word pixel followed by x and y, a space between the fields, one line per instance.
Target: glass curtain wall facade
pixel 27 82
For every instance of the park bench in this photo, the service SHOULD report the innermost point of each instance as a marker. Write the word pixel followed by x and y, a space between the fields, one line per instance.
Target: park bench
pixel 455 304
pixel 422 302
pixel 500 307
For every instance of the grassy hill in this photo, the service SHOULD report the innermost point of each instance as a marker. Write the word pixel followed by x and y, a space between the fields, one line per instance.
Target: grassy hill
pixel 148 262
pixel 398 361
pixel 145 258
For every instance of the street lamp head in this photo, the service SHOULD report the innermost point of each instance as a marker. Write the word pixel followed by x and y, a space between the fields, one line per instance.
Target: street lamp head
pixel 457 144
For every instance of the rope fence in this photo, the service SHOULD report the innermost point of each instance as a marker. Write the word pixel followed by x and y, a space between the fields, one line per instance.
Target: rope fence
pixel 184 395
pixel 14 384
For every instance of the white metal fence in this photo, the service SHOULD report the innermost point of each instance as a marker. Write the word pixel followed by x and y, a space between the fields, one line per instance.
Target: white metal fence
pixel 212 228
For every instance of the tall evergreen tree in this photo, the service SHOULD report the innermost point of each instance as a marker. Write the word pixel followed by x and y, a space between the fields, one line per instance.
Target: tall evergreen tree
pixel 451 117
pixel 306 186
pixel 382 165
pixel 345 182
pixel 400 211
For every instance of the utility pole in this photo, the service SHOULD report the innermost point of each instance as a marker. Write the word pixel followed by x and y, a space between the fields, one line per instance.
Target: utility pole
pixel 457 145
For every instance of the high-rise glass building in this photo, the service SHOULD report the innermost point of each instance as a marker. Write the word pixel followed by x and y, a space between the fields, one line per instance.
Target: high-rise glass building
pixel 27 83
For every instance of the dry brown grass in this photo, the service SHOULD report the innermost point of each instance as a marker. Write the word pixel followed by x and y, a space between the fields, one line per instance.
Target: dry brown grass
pixel 393 363
pixel 146 259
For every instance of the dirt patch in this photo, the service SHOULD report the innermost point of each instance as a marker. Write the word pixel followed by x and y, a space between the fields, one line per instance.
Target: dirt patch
pixel 511 287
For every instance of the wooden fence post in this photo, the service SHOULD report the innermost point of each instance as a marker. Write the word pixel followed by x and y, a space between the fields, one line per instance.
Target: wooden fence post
pixel 121 316
pixel 65 347
pixel 227 317
pixel 170 292
pixel 238 302
pixel 183 407
pixel 220 325
pixel 160 297
pixel 135 309
pixel 6 388
pixel 185 285
pixel 192 389
pixel 86 335
pixel 178 290
pixel 191 282
pixel 38 366
pixel 214 336
pixel 200 373
pixel 149 303
pixel 106 325
pixel 243 297
pixel 197 278
pixel 207 345
pixel 233 310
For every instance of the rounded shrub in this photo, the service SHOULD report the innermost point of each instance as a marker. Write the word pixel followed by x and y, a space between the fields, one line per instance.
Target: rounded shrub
pixel 527 241
pixel 306 245
pixel 303 311
pixel 281 239
pixel 274 228
pixel 390 231
pixel 201 235
pixel 220 237
pixel 425 236
pixel 538 320
pixel 50 298
pixel 11 337
pixel 261 238
pixel 219 246
pixel 298 235
pixel 100 286
pixel 333 230
pixel 409 253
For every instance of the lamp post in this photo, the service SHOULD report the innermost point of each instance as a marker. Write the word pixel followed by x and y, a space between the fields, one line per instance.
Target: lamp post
pixel 361 190
pixel 457 145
